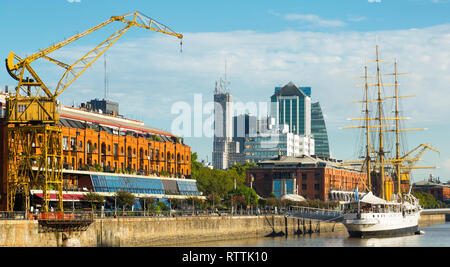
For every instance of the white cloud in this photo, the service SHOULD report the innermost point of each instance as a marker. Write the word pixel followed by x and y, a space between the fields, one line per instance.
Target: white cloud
pixel 257 62
pixel 447 164
pixel 314 20
pixel 356 18
pixel 374 1
pixel 148 75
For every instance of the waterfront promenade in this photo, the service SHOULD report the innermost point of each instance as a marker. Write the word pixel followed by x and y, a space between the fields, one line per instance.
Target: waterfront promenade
pixel 167 229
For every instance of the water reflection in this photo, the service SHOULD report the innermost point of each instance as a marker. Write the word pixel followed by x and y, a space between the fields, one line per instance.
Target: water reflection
pixel 404 241
pixel 435 236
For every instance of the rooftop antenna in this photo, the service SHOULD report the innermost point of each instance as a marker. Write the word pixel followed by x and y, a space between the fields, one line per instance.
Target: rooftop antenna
pixel 225 77
pixel 106 77
pixel 225 82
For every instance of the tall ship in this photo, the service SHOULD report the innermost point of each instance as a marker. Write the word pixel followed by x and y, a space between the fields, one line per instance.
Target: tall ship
pixel 386 206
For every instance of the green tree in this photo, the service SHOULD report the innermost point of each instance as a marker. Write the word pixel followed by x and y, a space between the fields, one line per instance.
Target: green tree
pixel 175 203
pixel 95 199
pixel 249 195
pixel 147 202
pixel 195 165
pixel 219 184
pixel 124 199
pixel 241 168
pixel 428 201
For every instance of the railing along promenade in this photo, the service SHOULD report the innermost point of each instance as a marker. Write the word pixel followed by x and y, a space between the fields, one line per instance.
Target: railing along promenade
pixel 315 213
pixel 83 215
pixel 292 211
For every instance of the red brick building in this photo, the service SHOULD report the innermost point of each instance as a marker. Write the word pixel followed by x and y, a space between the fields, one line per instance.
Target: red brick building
pixel 95 143
pixel 438 190
pixel 116 144
pixel 310 177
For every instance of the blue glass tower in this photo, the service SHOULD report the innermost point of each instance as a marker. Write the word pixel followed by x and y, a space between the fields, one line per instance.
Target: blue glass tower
pixel 291 105
pixel 319 131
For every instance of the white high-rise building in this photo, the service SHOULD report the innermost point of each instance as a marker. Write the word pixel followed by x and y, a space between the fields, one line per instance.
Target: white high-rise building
pixel 274 142
pixel 226 150
pixel 288 128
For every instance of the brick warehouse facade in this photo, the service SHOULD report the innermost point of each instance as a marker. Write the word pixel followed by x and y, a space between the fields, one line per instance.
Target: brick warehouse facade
pixel 119 146
pixel 110 144
pixel 310 177
pixel 439 190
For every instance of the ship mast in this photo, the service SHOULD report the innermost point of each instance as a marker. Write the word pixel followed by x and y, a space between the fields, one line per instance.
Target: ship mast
pixel 368 160
pixel 397 132
pixel 380 131
pixel 400 165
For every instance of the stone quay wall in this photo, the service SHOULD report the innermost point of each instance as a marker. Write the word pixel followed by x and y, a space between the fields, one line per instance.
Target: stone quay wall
pixel 162 231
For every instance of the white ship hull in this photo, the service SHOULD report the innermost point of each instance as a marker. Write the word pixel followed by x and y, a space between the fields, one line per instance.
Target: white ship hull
pixel 381 224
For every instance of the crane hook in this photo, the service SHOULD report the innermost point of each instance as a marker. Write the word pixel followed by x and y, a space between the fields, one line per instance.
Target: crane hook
pixel 181 46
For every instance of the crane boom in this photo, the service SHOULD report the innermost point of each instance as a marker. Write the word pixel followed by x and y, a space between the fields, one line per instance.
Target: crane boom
pixel 35 158
pixel 139 20
pixel 34 102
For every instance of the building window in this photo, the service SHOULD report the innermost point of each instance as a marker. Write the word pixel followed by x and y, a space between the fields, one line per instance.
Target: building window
pixel 116 150
pixel 65 143
pixel 316 176
pixel 304 176
pixel 73 144
pixel 88 147
pixel 316 186
pixel 304 187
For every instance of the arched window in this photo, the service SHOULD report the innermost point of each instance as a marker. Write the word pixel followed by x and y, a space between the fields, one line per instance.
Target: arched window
pixel 89 147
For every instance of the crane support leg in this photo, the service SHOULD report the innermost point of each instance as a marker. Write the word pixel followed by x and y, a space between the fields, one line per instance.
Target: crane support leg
pixel 34 161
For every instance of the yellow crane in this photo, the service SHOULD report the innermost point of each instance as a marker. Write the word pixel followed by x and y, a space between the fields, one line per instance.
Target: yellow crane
pixel 409 163
pixel 34 140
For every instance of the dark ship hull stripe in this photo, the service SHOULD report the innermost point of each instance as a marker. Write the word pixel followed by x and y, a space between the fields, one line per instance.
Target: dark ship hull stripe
pixel 385 233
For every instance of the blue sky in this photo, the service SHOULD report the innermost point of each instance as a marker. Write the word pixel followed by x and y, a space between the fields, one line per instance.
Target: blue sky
pixel 318 43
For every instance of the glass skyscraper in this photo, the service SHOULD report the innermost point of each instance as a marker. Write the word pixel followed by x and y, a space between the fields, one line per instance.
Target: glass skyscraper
pixel 319 131
pixel 291 106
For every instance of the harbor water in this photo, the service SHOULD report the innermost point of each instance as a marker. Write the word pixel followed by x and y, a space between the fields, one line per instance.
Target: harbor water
pixel 435 235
